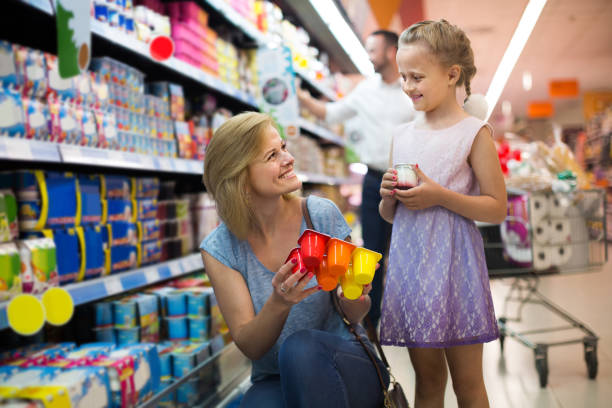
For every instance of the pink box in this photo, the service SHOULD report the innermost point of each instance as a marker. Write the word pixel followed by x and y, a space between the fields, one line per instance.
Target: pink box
pixel 189 31
pixel 187 58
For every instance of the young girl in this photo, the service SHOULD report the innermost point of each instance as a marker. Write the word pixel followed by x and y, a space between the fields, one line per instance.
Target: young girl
pixel 437 299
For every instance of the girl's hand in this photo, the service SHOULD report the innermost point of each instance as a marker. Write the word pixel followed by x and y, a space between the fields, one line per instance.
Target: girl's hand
pixel 423 196
pixel 387 185
pixel 366 290
pixel 289 287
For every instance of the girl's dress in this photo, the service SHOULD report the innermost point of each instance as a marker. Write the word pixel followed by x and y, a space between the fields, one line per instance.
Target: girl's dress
pixel 437 290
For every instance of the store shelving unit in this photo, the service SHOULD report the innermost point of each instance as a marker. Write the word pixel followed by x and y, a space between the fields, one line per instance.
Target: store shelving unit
pixel 39 151
pixel 227 361
pixel 100 288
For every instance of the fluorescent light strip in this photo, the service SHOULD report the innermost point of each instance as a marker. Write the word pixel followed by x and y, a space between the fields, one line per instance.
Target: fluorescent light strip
pixel 345 36
pixel 517 43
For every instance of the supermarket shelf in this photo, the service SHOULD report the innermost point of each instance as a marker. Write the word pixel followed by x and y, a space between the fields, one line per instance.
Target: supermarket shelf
pixel 321 179
pixel 238 21
pixel 100 288
pixel 38 151
pixel 233 366
pixel 118 38
pixel 324 90
pixel 321 132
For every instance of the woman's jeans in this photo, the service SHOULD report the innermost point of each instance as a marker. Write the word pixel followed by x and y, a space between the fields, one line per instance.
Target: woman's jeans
pixel 319 369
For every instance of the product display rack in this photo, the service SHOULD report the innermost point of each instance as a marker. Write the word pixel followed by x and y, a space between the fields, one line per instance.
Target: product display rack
pixel 230 365
pixel 106 286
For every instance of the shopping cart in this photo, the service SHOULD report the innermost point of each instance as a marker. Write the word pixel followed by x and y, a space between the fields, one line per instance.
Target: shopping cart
pixel 544 234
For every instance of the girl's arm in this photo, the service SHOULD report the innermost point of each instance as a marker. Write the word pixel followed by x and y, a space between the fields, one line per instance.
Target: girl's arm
pixel 355 310
pixel 388 201
pixel 489 206
pixel 254 334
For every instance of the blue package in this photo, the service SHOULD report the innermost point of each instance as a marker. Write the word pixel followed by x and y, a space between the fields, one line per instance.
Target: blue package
pixel 185 358
pixel 198 329
pixel 168 400
pixel 105 347
pixel 31 69
pixel 164 351
pixel 148 230
pixel 197 303
pixel 8 75
pixel 12 118
pixel 105 334
pixel 122 232
pixel 94 250
pixel 127 336
pixel 62 199
pixel 146 208
pixel 69 254
pixel 94 386
pixel 118 187
pixel 123 257
pixel 101 11
pixel 104 313
pixel 124 313
pixel 176 303
pixel 188 393
pixel 150 252
pixel 37 120
pixel 177 328
pixel 120 210
pixel 152 357
pixel 91 201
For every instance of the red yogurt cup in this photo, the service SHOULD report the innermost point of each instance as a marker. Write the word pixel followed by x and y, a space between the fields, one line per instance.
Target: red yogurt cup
pixel 297 255
pixel 312 247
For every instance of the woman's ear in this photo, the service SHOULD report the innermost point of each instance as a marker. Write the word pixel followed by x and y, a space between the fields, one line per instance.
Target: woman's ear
pixel 454 73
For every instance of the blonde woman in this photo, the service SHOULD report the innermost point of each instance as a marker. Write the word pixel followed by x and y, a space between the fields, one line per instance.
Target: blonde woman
pixel 302 353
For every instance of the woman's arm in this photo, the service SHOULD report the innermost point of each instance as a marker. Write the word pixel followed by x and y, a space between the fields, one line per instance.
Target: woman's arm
pixel 489 206
pixel 254 334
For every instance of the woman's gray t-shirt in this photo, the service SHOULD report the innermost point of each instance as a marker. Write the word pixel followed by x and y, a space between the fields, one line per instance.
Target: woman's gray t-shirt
pixel 315 312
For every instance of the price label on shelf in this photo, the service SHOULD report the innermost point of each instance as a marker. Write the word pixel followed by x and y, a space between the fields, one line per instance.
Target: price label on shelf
pixel 175 269
pixel 113 286
pixel 151 275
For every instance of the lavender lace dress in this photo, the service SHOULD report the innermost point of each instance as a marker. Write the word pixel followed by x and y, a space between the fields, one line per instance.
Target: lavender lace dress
pixel 437 290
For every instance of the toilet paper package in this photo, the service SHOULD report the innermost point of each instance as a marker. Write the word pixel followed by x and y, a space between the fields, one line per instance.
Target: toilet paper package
pixel 558 205
pixel 538 207
pixel 560 255
pixel 559 231
pixel 541 231
pixel 541 257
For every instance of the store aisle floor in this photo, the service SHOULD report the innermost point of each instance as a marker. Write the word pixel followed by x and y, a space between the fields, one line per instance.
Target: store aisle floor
pixel 511 379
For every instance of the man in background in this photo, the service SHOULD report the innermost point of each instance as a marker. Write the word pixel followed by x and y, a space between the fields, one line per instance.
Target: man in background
pixel 379 104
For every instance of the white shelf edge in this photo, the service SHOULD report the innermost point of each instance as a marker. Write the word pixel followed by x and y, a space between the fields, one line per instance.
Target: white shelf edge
pixel 122 282
pixel 238 20
pixel 321 132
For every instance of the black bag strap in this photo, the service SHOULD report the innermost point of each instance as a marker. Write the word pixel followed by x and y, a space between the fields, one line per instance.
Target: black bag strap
pixel 350 325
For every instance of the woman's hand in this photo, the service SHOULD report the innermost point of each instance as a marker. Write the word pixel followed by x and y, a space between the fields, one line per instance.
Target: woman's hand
pixel 425 195
pixel 387 185
pixel 289 287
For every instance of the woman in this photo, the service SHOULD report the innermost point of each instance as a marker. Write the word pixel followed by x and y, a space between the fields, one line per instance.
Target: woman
pixel 302 353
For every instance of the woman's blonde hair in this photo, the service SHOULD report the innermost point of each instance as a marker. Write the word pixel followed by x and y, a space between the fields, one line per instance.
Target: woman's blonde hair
pixel 448 43
pixel 234 145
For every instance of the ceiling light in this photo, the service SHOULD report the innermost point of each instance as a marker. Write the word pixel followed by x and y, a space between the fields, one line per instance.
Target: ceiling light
pixel 346 37
pixel 506 108
pixel 517 43
pixel 527 81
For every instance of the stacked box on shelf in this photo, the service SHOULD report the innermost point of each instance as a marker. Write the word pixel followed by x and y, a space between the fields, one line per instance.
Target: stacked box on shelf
pixel 121 239
pixel 227 56
pixel 95 375
pixel 36 103
pixel 192 36
pixel 149 245
pixel 10 262
pixel 117 14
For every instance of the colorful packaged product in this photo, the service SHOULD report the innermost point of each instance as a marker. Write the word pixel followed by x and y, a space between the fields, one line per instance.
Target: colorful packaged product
pixel 38 265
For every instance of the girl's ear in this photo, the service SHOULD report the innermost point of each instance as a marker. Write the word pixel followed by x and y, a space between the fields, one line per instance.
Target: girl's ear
pixel 454 72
